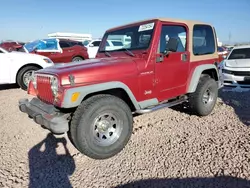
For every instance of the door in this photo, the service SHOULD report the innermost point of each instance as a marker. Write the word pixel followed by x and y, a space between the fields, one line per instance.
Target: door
pixel 93 48
pixel 5 63
pixel 50 55
pixel 67 54
pixel 55 56
pixel 171 71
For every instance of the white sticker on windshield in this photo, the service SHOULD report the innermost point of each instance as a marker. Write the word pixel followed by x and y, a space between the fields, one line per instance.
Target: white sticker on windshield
pixel 146 27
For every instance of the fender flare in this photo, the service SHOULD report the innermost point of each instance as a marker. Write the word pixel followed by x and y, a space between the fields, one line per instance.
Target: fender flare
pixel 88 89
pixel 196 76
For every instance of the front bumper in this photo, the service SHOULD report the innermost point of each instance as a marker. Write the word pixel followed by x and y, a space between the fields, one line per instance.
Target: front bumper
pixel 46 115
pixel 230 80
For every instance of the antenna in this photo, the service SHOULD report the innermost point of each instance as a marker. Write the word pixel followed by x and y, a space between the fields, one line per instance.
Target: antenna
pixel 229 37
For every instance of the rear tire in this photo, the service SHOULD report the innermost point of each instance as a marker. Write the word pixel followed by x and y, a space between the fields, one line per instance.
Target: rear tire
pixel 203 100
pixel 101 126
pixel 23 76
pixel 77 58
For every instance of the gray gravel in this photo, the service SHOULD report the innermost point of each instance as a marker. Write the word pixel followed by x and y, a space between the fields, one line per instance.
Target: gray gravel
pixel 168 148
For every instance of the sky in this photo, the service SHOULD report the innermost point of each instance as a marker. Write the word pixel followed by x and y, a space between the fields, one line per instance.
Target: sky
pixel 26 20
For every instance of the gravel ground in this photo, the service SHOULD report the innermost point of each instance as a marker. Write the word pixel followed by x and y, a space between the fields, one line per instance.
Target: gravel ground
pixel 168 148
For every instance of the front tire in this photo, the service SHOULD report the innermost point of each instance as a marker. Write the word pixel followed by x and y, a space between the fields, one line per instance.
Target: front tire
pixel 203 100
pixel 101 126
pixel 23 77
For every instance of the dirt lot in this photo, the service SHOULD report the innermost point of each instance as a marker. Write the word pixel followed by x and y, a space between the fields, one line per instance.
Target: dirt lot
pixel 168 149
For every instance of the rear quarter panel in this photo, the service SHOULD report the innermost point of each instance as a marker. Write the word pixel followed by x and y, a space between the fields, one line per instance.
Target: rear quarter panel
pixel 80 51
pixel 194 66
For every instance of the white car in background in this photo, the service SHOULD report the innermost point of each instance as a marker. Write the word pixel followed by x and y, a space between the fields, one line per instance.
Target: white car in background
pixel 17 67
pixel 93 46
pixel 235 68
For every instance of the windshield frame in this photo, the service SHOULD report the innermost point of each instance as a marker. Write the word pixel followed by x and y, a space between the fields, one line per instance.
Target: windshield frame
pixel 140 26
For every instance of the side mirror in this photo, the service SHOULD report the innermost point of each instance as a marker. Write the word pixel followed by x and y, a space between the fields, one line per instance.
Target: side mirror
pixel 172 46
pixel 91 45
pixel 35 50
pixel 224 56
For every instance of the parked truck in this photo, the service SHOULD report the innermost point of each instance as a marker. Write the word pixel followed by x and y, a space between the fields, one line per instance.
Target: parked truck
pixel 94 102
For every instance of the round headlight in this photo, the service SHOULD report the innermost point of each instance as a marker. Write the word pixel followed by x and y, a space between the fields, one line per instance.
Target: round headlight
pixel 54 85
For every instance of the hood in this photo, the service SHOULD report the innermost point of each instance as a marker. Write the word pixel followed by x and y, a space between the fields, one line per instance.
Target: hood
pixel 26 55
pixel 94 70
pixel 238 63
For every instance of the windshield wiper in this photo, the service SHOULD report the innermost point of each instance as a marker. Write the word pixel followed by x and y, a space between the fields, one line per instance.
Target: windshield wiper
pixel 129 52
pixel 121 49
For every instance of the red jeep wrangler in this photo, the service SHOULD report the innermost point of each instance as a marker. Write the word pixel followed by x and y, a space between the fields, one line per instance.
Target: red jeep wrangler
pixel 165 62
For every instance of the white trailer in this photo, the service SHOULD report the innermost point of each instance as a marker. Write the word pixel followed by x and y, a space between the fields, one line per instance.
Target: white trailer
pixel 73 36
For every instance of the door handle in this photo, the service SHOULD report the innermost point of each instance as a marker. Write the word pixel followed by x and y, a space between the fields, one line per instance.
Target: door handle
pixel 70 50
pixel 159 59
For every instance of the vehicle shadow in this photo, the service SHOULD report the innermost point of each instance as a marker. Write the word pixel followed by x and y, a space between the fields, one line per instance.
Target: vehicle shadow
pixel 213 182
pixel 8 86
pixel 47 168
pixel 239 101
pixel 182 108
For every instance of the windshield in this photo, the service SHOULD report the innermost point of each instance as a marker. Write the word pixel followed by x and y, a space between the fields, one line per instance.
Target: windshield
pixel 243 53
pixel 86 42
pixel 131 38
pixel 43 45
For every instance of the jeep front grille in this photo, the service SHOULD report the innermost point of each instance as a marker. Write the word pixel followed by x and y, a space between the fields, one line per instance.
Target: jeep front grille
pixel 44 89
